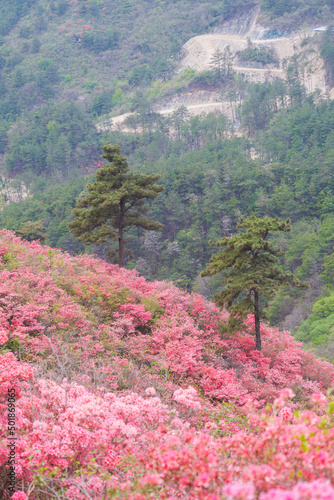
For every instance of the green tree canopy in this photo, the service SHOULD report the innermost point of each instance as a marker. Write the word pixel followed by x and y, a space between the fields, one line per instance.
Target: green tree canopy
pixel 115 202
pixel 251 269
pixel 31 231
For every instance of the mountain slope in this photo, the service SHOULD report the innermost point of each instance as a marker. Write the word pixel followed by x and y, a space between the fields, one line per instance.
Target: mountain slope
pixel 104 405
pixel 241 49
pixel 103 55
pixel 98 309
pixel 280 167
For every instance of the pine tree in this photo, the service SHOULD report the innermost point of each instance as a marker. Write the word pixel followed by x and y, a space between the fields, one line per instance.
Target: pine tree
pixel 114 203
pixel 179 118
pixel 228 58
pixel 217 63
pixel 250 265
pixel 31 231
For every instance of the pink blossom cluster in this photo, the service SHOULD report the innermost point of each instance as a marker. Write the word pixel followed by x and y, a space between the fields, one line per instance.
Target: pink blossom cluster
pixel 50 299
pixel 97 163
pixel 88 26
pixel 188 397
pixel 128 389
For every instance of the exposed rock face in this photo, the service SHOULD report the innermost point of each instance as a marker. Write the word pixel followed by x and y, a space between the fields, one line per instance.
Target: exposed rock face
pixel 240 25
pixel 12 191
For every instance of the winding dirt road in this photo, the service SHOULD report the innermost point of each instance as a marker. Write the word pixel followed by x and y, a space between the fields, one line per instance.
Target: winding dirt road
pixel 236 34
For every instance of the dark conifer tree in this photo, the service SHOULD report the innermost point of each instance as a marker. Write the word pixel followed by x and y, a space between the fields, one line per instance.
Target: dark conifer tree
pixel 31 231
pixel 251 269
pixel 115 203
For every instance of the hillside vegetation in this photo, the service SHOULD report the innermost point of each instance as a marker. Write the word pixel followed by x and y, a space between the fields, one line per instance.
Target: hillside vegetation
pixel 131 389
pixel 65 65
pixel 94 57
pixel 127 382
pixel 284 169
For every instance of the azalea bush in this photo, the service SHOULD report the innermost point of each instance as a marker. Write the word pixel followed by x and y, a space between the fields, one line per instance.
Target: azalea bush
pixel 131 389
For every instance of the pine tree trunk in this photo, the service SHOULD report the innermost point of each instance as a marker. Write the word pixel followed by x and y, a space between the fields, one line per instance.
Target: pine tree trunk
pixel 120 248
pixel 257 320
pixel 120 236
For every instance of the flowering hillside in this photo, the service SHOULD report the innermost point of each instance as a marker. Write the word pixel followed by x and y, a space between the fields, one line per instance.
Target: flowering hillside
pixel 129 389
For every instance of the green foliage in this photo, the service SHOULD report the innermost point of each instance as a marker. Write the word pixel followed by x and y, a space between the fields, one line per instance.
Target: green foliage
pixel 319 326
pixel 152 305
pixel 114 203
pixel 118 96
pixel 3 136
pixel 91 85
pixel 15 346
pixel 53 206
pixel 309 255
pixel 103 103
pixel 35 46
pixel 26 31
pixel 45 64
pixel 221 63
pixel 19 78
pixel 262 101
pixel 141 75
pixel 11 12
pixel 249 263
pixel 54 142
pixel 99 41
pixel 290 14
pixel 280 7
pixel 262 54
pixel 31 231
